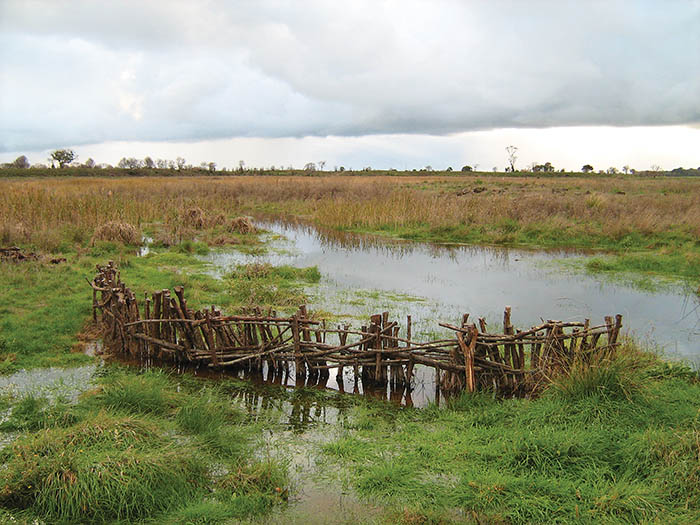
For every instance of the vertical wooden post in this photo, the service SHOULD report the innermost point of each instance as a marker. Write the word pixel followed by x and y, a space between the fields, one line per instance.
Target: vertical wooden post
pixel 297 346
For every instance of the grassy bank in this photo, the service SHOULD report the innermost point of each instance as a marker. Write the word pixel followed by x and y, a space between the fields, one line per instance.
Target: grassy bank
pixel 136 447
pixel 615 444
pixel 651 219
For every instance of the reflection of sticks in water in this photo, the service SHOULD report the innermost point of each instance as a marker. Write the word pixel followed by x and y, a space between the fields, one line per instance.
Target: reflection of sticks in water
pixel 472 360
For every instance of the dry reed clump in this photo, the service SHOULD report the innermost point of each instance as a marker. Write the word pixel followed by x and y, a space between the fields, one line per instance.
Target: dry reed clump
pixel 194 218
pixel 115 231
pixel 218 220
pixel 241 225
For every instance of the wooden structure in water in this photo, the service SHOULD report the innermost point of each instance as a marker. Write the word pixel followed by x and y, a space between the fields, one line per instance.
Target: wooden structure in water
pixel 515 362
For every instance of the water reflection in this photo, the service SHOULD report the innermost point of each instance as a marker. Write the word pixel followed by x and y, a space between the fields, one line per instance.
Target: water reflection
pixel 440 282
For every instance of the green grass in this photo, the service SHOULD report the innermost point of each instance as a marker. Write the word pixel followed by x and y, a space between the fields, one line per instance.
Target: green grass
pixel 43 307
pixel 271 286
pixel 138 446
pixel 683 265
pixel 615 447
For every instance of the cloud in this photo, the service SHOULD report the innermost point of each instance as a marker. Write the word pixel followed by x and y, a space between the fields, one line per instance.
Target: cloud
pixel 77 72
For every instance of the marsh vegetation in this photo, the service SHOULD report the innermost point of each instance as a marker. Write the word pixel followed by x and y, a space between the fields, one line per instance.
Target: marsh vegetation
pixel 616 442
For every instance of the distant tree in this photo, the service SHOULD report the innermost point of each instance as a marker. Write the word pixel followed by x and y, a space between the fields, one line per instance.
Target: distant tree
pixel 546 167
pixel 512 152
pixel 171 165
pixel 162 164
pixel 39 166
pixel 495 169
pixel 241 165
pixel 309 167
pixel 180 161
pixel 90 163
pixel 587 168
pixel 131 163
pixel 21 162
pixel 467 168
pixel 428 168
pixel 342 168
pixel 655 168
pixel 63 157
pixel 449 168
pixel 625 169
pixel 212 167
pixel 611 170
pixel 148 163
pixel 321 165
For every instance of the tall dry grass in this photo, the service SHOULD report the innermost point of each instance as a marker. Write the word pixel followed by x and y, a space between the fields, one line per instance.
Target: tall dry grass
pixel 47 212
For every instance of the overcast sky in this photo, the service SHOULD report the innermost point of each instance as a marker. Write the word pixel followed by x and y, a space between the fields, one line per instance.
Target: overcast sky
pixel 401 83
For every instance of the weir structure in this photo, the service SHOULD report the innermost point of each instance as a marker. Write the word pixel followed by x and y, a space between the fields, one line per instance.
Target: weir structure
pixel 513 363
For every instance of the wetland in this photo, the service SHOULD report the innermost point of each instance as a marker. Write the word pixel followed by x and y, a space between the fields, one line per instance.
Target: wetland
pixel 86 437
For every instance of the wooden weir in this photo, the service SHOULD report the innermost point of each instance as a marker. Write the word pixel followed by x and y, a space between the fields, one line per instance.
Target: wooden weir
pixel 514 362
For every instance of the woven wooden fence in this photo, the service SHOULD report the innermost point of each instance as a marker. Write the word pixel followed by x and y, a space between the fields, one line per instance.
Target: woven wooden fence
pixel 515 362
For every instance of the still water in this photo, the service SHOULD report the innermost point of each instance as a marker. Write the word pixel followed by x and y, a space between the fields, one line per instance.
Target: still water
pixel 362 275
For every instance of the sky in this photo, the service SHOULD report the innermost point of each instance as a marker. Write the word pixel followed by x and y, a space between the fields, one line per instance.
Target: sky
pixel 383 83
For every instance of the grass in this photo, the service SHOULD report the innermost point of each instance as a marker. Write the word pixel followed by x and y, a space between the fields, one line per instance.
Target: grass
pixel 615 442
pixel 651 221
pixel 615 447
pixel 138 446
pixel 270 286
pixel 44 307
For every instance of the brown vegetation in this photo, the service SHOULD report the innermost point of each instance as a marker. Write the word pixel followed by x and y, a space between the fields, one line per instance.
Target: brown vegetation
pixel 116 231
pixel 242 225
pixel 607 208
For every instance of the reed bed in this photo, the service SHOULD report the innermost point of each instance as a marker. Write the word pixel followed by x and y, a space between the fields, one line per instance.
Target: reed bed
pixel 614 213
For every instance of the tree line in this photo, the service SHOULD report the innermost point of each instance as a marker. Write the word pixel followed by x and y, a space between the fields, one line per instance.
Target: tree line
pixel 63 158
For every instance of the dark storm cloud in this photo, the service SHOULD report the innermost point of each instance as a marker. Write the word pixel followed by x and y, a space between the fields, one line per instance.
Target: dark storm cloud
pixel 77 72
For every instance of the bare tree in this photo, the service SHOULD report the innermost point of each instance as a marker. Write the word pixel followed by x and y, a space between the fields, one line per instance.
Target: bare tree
pixel 131 163
pixel 309 167
pixel 21 162
pixel 90 163
pixel 241 165
pixel 180 161
pixel 626 169
pixel 162 164
pixel 321 165
pixel 148 163
pixel 512 152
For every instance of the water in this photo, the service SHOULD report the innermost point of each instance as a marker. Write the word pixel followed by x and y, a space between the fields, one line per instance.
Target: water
pixel 362 275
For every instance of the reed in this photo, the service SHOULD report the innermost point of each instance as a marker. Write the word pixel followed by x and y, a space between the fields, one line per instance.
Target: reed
pixel 614 213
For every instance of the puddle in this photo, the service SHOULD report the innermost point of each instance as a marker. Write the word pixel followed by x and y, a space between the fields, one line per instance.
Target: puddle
pixel 363 275
pixel 316 496
pixel 52 383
